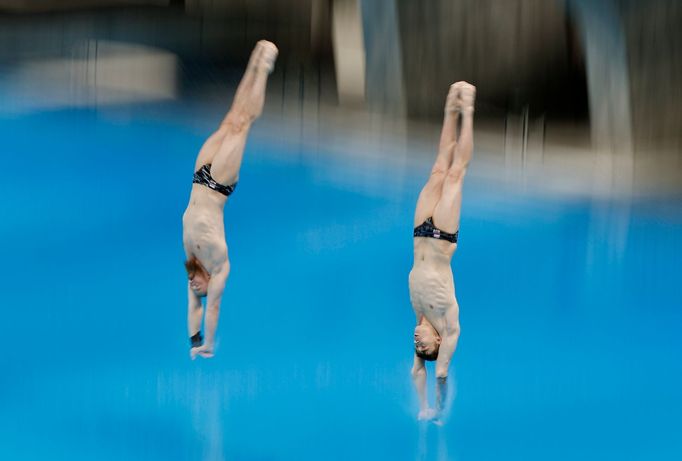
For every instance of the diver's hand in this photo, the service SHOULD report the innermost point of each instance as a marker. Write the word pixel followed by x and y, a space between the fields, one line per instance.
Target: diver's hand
pixel 427 414
pixel 204 351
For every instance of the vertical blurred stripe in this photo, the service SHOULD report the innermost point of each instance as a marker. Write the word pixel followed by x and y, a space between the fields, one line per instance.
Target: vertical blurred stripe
pixel 349 51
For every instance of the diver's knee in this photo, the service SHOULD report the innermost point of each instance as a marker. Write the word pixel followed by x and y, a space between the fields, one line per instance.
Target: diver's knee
pixel 237 122
pixel 456 173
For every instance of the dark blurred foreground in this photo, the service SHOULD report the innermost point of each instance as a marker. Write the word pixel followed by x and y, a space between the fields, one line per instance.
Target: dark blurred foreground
pixel 566 87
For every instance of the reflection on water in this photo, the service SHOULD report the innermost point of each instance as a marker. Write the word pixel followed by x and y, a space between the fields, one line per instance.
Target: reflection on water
pixel 608 232
pixel 433 443
pixel 207 400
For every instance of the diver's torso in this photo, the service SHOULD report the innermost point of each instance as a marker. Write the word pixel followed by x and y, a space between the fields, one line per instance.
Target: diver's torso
pixel 432 287
pixel 203 229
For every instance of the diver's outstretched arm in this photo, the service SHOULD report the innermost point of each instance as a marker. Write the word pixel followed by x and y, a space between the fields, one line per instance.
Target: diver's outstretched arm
pixel 216 286
pixel 195 312
pixel 448 344
pixel 419 380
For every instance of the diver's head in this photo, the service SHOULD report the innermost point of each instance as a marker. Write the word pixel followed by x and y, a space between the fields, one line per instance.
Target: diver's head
pixel 198 276
pixel 426 341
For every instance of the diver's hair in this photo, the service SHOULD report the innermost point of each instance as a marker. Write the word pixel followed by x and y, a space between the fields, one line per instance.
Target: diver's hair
pixel 428 357
pixel 192 266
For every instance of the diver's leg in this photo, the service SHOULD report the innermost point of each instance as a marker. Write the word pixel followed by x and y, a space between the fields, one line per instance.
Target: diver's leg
pixel 246 107
pixel 447 210
pixel 431 192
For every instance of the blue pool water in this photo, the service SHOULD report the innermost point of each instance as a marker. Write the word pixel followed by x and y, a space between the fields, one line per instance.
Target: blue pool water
pixel 570 309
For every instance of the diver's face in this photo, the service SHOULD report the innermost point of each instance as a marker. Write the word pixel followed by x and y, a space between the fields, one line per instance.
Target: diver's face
pixel 426 339
pixel 199 283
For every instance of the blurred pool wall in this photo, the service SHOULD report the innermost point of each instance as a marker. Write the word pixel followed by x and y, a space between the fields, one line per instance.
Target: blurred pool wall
pixel 572 94
pixel 599 77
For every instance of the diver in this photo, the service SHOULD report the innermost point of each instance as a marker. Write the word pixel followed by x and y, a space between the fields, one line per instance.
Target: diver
pixel 216 172
pixel 436 229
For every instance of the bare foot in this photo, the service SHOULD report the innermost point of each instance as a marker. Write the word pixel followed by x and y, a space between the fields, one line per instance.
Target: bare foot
pixel 263 56
pixel 467 96
pixel 203 351
pixel 452 102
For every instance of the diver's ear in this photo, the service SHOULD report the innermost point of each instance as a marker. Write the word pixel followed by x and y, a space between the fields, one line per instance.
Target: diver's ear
pixel 438 339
